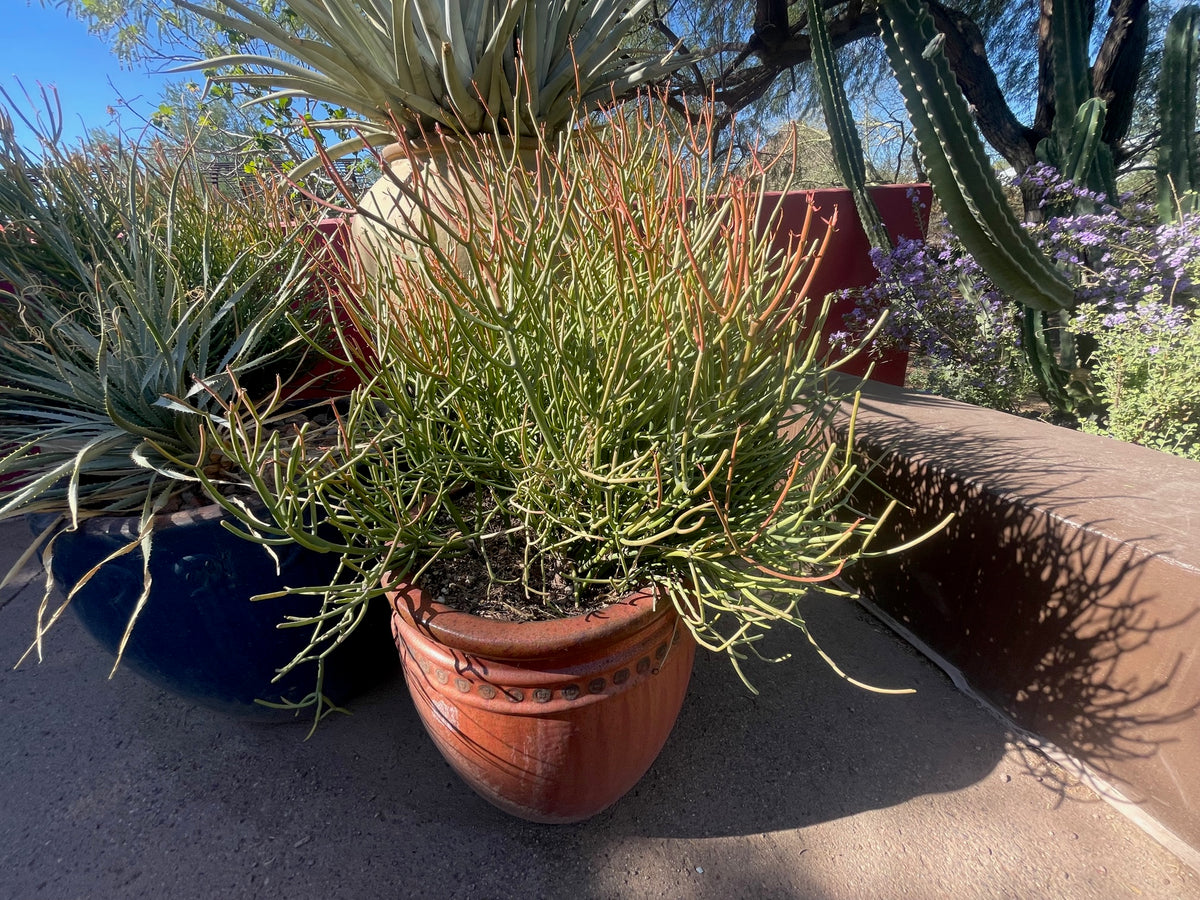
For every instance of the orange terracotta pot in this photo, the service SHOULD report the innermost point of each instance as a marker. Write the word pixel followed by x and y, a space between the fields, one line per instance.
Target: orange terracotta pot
pixel 550 721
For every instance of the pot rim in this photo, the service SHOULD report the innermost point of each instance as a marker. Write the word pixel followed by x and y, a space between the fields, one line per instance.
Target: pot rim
pixel 525 640
pixel 844 193
pixel 123 523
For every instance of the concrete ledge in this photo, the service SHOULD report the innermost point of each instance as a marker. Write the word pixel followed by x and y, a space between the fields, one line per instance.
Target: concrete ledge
pixel 1066 590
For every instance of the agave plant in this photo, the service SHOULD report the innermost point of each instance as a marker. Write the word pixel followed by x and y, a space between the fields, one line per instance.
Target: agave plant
pixel 134 294
pixel 467 66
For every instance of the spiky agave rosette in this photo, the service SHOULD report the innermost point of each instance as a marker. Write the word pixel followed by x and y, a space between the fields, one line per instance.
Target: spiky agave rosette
pixel 465 66
pixel 135 294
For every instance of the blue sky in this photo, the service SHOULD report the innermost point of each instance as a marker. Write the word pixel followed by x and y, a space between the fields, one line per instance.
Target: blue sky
pixel 46 46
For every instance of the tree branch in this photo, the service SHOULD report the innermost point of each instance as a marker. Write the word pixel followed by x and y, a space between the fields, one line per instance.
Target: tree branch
pixel 778 51
pixel 1119 65
pixel 966 51
pixel 658 23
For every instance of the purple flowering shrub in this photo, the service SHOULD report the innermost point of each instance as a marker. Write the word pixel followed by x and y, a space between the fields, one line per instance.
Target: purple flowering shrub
pixel 1137 321
pixel 1139 293
pixel 962 336
pixel 1119 256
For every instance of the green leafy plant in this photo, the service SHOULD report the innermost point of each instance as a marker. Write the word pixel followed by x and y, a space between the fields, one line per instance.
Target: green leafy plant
pixel 467 66
pixel 135 294
pixel 1147 366
pixel 608 374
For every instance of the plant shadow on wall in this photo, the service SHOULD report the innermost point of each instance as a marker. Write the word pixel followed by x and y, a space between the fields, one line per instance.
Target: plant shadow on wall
pixel 1065 631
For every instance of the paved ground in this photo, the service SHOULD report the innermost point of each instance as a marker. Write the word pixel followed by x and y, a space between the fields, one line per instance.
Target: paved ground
pixel 113 789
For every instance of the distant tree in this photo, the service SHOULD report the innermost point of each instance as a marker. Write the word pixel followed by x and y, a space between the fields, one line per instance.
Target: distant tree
pixel 214 120
pixel 1000 51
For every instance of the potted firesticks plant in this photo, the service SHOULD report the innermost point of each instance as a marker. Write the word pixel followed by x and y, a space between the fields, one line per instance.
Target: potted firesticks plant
pixel 594 434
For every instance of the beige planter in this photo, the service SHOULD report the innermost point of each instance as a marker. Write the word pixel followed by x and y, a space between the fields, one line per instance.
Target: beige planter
pixel 392 218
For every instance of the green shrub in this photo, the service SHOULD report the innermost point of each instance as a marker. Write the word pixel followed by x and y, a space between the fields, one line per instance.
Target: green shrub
pixel 1147 367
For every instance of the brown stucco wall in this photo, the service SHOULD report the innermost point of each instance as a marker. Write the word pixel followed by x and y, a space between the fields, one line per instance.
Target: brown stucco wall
pixel 1066 590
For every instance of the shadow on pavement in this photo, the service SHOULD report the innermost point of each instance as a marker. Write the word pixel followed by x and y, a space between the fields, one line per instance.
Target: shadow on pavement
pixel 814 788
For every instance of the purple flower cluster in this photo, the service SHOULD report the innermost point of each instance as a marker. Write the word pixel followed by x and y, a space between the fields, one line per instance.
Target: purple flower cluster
pixel 1119 260
pixel 943 310
pixel 1055 191
pixel 1119 254
pixel 1127 267
pixel 937 298
pixel 1149 317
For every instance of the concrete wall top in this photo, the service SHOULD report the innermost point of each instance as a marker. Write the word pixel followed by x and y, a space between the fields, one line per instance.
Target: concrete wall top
pixel 1117 490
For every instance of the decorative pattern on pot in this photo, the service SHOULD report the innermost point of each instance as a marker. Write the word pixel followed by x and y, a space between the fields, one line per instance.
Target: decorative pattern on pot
pixel 549 721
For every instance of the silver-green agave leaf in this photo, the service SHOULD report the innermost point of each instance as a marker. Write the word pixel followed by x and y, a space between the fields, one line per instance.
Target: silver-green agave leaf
pixel 468 66
pixel 126 278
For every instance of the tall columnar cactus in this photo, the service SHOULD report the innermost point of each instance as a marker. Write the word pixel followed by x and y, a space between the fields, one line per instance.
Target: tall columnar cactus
pixel 958 165
pixel 967 187
pixel 1084 158
pixel 846 145
pixel 1078 147
pixel 1075 146
pixel 1178 153
pixel 1078 151
pixel 1069 64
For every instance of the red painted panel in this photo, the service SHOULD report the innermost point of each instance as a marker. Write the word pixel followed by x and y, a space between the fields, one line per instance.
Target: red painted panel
pixel 847 261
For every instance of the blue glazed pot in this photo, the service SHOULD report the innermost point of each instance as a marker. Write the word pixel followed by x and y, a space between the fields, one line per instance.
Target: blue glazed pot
pixel 199 635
